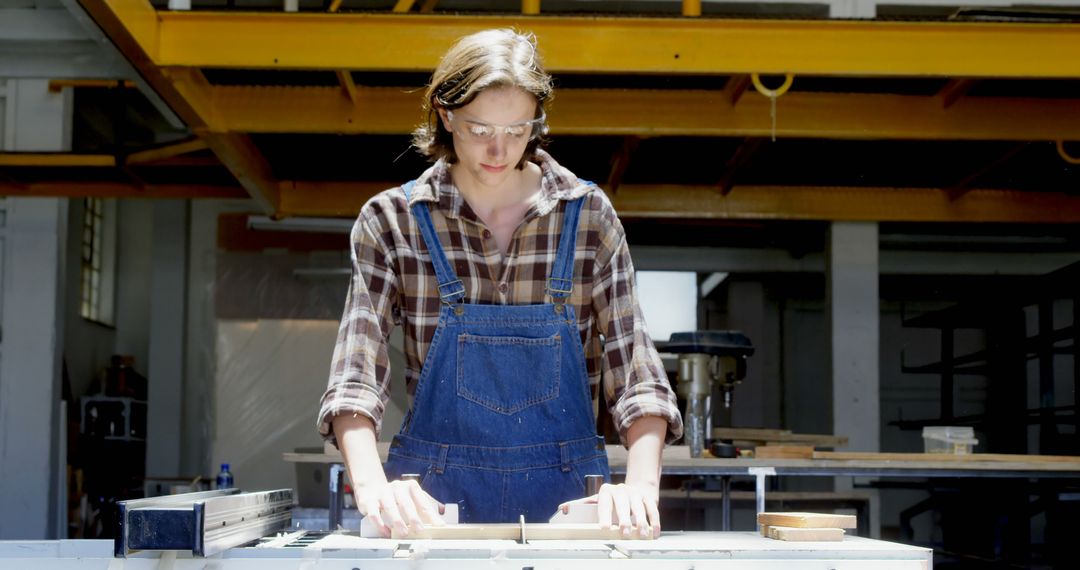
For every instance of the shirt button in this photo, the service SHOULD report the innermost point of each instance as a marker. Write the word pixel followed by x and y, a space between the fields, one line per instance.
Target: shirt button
pixel 503 288
pixel 487 234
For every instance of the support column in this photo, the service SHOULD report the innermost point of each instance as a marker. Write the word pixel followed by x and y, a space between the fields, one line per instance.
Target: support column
pixel 168 318
pixel 32 485
pixel 853 325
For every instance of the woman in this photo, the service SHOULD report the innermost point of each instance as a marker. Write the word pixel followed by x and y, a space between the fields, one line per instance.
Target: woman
pixel 504 270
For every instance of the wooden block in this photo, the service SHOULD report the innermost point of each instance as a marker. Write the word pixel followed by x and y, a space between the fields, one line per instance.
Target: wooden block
pixel 577 532
pixel 784 452
pixel 765 530
pixel 510 531
pixel 807 520
pixel 505 531
pixel 792 534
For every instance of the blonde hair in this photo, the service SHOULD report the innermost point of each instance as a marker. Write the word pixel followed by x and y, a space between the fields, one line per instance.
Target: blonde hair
pixel 480 61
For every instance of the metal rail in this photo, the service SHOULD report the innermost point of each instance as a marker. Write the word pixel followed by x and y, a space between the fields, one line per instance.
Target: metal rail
pixel 205 523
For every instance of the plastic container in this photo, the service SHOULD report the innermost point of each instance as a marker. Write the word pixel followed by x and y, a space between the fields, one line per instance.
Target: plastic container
pixel 224 478
pixel 948 439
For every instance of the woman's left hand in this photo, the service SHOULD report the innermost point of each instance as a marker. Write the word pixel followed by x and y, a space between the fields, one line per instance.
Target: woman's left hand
pixel 632 506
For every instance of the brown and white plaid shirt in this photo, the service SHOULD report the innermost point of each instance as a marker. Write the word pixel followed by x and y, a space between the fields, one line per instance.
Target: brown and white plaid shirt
pixel 394 282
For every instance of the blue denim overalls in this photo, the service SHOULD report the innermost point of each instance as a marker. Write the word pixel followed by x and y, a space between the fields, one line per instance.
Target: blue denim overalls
pixel 502 420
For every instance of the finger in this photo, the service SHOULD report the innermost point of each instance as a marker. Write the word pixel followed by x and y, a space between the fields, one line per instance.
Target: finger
pixel 603 506
pixel 378 522
pixel 654 517
pixel 391 514
pixel 407 506
pixel 621 502
pixel 637 511
pixel 429 507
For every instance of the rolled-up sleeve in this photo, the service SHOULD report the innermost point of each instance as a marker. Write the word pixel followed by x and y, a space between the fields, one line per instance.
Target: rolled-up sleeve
pixel 634 381
pixel 360 368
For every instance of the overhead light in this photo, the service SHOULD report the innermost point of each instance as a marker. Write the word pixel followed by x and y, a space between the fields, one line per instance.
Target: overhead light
pixel 311 225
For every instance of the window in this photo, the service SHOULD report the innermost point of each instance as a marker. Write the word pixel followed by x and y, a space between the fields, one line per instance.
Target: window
pixel 669 302
pixel 98 260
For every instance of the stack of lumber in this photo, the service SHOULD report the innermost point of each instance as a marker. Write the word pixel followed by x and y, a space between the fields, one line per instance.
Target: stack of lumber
pixel 779 441
pixel 804 527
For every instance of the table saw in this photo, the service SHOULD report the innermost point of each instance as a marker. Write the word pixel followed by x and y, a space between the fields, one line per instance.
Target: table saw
pixel 229 530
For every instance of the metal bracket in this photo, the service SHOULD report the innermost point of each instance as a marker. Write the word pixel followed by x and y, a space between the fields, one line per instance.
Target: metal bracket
pixel 760 473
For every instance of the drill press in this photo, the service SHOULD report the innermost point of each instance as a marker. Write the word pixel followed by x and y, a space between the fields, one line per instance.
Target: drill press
pixel 707 360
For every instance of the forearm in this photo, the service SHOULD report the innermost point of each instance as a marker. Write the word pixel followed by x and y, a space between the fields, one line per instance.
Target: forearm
pixel 645 445
pixel 356 438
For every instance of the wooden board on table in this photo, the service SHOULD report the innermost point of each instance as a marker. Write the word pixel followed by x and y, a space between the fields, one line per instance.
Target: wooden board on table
pixel 795 534
pixel 780 436
pixel 784 452
pixel 806 520
pixel 510 531
pixel 963 457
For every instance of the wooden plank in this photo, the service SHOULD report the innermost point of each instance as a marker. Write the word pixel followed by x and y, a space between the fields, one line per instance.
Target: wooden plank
pixel 759 436
pixel 807 520
pixel 510 531
pixel 805 534
pixel 784 452
pixel 698 495
pixel 945 457
pixel 464 532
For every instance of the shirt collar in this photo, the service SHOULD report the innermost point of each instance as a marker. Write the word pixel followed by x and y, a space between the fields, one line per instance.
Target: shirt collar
pixel 556 183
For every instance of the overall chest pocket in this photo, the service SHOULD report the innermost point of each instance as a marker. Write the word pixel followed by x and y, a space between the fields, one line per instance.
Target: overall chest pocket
pixel 507 374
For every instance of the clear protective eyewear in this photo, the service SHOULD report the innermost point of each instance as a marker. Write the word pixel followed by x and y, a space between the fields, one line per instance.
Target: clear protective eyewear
pixel 481 132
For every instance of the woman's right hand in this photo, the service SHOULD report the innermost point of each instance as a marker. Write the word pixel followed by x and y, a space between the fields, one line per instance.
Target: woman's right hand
pixel 399 507
pixel 396 506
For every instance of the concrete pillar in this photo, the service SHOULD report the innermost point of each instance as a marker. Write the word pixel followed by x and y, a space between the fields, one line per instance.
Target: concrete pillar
pixel 168 317
pixel 853 316
pixel 32 485
pixel 853 325
pixel 755 401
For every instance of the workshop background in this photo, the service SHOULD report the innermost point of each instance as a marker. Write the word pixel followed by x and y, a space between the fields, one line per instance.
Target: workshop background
pixel 883 197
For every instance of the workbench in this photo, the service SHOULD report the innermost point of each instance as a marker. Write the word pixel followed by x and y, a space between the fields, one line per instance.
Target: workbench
pixel 341 551
pixel 678 462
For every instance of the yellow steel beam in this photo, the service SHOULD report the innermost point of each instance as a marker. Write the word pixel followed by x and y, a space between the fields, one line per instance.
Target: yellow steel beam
pixel 134 26
pixel 55 160
pixel 755 202
pixel 625 45
pixel 344 199
pixel 964 186
pixel 167 151
pixel 347 83
pixel 846 204
pixel 736 87
pixel 56 85
pixel 243 159
pixel 691 8
pixel 329 199
pixel 954 90
pixel 530 7
pixel 620 162
pixel 118 190
pixel 742 156
pixel 654 113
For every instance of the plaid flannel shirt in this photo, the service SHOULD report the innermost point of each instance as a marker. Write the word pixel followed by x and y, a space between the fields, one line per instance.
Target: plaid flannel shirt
pixel 394 283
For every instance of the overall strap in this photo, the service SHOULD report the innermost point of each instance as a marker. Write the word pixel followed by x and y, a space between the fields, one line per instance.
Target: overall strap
pixel 451 289
pixel 561 281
